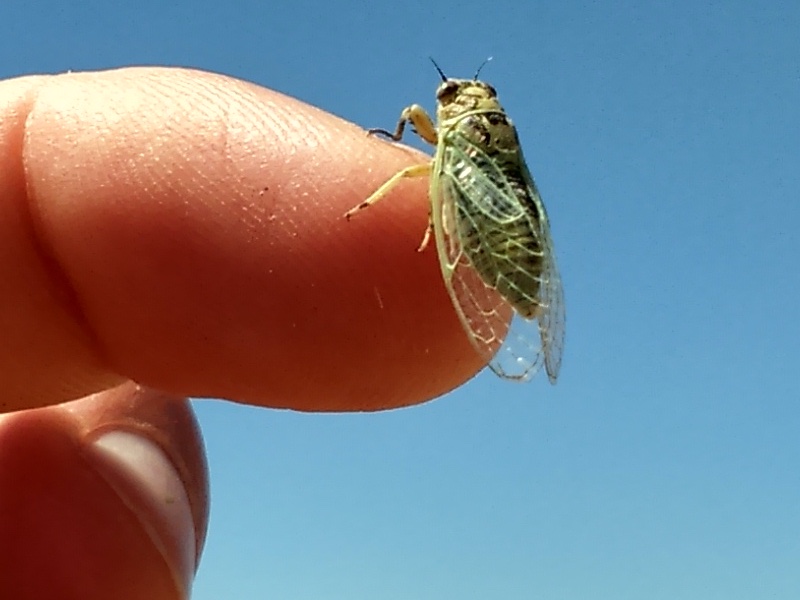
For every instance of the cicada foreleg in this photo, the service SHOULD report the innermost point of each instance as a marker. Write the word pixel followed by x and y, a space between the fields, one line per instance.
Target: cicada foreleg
pixel 420 121
pixel 424 127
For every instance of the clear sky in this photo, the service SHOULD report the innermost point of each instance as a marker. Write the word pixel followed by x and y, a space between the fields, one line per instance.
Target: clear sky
pixel 665 139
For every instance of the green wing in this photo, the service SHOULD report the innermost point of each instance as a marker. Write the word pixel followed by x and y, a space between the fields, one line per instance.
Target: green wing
pixel 497 258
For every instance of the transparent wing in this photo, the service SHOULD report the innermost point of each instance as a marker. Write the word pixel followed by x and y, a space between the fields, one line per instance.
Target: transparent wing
pixel 497 258
pixel 552 319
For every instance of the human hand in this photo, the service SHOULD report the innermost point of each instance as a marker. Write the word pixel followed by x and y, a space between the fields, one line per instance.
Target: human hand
pixel 184 230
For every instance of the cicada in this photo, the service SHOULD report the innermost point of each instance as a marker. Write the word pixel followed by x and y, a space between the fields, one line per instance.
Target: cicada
pixel 491 229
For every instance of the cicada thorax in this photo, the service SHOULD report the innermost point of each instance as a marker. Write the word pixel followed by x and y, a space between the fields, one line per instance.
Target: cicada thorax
pixel 501 238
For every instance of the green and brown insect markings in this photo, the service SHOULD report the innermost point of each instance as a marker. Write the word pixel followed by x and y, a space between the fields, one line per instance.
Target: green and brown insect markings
pixel 491 229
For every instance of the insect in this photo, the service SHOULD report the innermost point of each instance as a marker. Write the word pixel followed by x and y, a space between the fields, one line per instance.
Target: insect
pixel 491 229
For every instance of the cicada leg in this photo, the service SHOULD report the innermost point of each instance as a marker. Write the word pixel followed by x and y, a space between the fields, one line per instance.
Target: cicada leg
pixel 383 191
pixel 428 231
pixel 420 121
pixel 425 128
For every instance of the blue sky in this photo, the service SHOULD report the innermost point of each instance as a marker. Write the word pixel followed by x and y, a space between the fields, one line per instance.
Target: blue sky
pixel 665 139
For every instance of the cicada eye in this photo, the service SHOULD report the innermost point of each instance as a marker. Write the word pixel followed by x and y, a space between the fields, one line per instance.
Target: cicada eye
pixel 491 90
pixel 447 90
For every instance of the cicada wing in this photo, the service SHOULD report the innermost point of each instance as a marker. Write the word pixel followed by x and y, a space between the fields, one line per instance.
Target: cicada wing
pixel 473 205
pixel 552 309
pixel 481 309
pixel 552 319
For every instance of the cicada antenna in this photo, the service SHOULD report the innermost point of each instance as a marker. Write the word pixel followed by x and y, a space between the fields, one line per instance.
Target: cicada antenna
pixel 478 72
pixel 444 77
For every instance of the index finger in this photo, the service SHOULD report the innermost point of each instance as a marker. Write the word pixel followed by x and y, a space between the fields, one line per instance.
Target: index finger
pixel 184 230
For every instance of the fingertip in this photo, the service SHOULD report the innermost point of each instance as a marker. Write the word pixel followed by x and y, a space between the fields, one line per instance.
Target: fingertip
pixel 197 221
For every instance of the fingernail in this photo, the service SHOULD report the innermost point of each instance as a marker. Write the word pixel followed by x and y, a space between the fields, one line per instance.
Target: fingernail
pixel 147 481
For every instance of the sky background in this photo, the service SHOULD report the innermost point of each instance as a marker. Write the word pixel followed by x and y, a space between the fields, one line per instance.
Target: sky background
pixel 665 464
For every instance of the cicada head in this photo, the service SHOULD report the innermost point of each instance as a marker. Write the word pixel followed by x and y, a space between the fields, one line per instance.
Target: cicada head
pixel 457 96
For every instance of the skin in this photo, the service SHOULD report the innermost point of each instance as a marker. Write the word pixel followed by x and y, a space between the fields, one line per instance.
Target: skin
pixel 184 231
